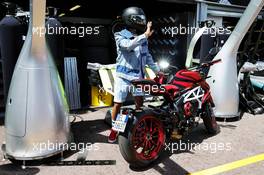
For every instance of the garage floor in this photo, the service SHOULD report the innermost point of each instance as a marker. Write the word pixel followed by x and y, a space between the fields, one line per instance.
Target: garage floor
pixel 237 140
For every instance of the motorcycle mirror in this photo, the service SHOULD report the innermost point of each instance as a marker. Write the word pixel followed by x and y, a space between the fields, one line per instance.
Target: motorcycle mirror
pixel 214 50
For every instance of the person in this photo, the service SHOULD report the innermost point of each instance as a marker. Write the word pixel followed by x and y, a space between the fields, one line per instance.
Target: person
pixel 133 56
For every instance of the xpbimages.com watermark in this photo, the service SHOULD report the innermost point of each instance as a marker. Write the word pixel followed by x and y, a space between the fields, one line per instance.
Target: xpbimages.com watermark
pixel 189 30
pixel 51 145
pixel 81 31
pixel 139 89
pixel 212 147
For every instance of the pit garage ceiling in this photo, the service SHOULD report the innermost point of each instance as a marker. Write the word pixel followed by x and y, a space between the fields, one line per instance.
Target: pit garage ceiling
pixel 95 8
pixel 109 8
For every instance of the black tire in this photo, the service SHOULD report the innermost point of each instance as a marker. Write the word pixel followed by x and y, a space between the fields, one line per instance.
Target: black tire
pixel 126 144
pixel 210 120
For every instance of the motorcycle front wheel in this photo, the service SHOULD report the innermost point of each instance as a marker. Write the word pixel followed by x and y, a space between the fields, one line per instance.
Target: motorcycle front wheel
pixel 209 120
pixel 143 139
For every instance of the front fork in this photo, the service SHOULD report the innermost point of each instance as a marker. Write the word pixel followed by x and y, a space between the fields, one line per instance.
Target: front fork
pixel 207 98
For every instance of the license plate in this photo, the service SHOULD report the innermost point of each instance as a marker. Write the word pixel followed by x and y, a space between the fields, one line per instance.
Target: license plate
pixel 120 123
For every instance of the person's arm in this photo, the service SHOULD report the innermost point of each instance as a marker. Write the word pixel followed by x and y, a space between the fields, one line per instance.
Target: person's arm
pixel 149 60
pixel 128 44
pixel 153 66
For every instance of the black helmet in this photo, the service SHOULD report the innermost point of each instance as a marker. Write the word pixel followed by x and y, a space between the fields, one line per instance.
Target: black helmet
pixel 135 18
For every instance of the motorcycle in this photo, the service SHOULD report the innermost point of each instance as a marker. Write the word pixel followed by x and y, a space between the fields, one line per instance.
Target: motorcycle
pixel 251 84
pixel 187 98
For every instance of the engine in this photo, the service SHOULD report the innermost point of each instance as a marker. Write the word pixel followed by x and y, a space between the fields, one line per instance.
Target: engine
pixel 190 109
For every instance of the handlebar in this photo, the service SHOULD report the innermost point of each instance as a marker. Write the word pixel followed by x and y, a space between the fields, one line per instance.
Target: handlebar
pixel 204 65
pixel 161 76
pixel 211 63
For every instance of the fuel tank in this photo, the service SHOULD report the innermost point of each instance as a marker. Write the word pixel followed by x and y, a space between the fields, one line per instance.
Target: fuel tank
pixel 186 78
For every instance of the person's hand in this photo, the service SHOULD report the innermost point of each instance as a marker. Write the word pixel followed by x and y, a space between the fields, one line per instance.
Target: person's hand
pixel 160 76
pixel 149 31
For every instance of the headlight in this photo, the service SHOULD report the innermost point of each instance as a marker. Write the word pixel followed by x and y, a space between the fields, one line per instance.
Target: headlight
pixel 164 64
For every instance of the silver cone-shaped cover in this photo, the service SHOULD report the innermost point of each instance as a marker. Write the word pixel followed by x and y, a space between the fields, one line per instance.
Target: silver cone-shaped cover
pixel 36 122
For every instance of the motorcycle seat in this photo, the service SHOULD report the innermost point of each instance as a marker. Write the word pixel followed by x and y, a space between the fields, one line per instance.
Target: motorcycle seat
pixel 144 82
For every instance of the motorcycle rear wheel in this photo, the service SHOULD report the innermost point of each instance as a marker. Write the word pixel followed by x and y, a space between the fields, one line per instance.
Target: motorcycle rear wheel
pixel 143 139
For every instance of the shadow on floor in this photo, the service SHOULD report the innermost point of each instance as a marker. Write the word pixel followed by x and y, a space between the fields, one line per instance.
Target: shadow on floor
pixel 89 131
pixel 2 121
pixel 169 166
pixel 229 126
pixel 231 119
pixel 83 132
pixel 11 169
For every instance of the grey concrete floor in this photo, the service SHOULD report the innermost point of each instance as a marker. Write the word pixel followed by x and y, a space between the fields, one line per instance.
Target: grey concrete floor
pixel 238 140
